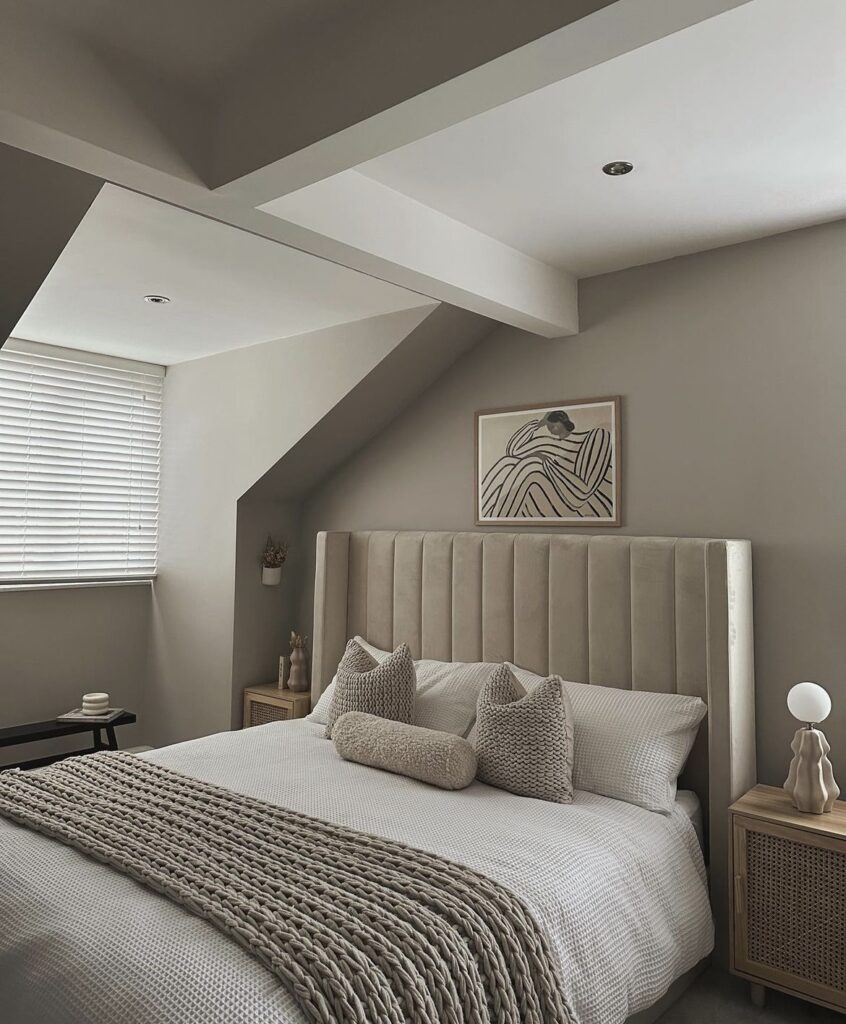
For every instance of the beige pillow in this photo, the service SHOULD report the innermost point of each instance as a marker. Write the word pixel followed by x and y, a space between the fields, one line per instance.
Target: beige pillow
pixel 385 689
pixel 524 742
pixel 439 758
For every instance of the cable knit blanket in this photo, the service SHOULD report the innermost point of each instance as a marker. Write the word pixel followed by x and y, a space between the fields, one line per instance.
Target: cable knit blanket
pixel 358 928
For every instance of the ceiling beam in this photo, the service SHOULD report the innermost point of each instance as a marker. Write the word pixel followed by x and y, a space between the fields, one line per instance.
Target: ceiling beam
pixel 432 253
pixel 586 34
pixel 539 299
pixel 452 263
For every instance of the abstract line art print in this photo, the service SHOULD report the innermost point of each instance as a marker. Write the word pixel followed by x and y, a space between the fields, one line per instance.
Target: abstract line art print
pixel 557 463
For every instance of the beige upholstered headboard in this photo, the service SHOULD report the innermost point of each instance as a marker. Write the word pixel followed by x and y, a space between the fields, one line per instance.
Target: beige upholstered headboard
pixel 649 613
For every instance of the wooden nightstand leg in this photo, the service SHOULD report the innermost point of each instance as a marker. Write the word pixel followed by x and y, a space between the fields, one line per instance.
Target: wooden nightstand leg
pixel 758 994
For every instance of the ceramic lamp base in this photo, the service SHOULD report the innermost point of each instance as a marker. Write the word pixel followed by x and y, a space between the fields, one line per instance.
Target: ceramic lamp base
pixel 810 781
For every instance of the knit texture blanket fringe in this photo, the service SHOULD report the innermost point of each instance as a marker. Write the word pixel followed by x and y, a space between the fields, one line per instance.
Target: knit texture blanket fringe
pixel 359 929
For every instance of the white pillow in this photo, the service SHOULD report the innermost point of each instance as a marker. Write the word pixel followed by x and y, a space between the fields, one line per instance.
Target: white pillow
pixel 447 692
pixel 319 714
pixel 629 744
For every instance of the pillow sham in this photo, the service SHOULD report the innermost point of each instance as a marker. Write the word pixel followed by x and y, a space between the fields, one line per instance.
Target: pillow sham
pixel 438 758
pixel 630 745
pixel 319 714
pixel 446 696
pixel 524 741
pixel 385 689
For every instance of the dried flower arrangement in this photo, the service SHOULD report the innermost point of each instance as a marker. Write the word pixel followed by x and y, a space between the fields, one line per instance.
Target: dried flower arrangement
pixel 274 555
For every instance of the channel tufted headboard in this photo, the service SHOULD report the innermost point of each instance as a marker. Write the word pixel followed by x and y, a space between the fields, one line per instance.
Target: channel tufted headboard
pixel 647 613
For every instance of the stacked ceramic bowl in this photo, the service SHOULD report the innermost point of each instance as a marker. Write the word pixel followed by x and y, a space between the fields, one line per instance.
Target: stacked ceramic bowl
pixel 95 703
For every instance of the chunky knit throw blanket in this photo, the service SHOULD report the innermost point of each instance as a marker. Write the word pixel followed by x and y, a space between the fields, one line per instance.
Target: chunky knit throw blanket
pixel 360 929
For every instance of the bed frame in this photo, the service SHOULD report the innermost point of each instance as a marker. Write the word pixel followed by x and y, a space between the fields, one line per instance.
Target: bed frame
pixel 650 613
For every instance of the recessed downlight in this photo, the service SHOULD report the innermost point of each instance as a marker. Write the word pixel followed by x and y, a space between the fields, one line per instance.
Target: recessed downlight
pixel 157 300
pixel 617 167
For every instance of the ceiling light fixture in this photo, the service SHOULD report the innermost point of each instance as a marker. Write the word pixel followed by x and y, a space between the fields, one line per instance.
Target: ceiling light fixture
pixel 617 167
pixel 158 300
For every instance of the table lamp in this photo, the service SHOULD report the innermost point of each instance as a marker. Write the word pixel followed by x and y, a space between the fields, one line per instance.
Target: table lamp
pixel 810 782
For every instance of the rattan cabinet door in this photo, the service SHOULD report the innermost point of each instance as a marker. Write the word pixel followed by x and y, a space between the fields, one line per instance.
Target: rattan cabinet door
pixel 790 909
pixel 262 712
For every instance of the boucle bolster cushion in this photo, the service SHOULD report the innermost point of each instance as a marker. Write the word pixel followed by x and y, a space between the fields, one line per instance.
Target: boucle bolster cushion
pixel 439 758
pixel 524 741
pixel 385 689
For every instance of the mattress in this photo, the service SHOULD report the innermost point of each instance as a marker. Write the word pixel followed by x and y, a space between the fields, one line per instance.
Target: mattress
pixel 619 891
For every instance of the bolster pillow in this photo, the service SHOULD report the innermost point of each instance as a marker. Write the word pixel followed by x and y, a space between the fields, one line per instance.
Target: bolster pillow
pixel 439 758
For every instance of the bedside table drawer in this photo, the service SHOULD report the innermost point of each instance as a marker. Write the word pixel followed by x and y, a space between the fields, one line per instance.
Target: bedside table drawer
pixel 790 908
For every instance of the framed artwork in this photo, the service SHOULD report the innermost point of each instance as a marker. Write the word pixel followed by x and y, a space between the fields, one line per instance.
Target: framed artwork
pixel 556 464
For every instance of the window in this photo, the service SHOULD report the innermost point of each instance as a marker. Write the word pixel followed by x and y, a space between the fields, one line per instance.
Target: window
pixel 79 465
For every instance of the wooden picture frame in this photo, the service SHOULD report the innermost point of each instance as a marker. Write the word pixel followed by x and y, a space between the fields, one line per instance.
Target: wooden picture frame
pixel 550 464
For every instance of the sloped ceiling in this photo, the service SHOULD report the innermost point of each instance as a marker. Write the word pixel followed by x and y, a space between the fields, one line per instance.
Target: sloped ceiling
pixel 41 205
pixel 228 288
pixel 411 367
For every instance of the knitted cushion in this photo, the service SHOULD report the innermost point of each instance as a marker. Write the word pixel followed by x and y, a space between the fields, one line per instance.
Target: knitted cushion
pixel 440 758
pixel 383 689
pixel 629 744
pixel 524 742
pixel 447 692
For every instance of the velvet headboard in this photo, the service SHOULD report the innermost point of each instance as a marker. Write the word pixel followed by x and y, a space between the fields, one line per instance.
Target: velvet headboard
pixel 646 613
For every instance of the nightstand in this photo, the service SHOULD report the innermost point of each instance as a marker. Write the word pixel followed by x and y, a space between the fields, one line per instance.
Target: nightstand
pixel 788 912
pixel 264 704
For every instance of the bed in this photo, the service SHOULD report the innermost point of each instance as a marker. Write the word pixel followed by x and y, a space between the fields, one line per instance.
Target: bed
pixel 620 892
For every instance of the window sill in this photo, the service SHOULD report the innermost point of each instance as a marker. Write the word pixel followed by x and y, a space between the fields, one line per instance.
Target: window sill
pixel 74 584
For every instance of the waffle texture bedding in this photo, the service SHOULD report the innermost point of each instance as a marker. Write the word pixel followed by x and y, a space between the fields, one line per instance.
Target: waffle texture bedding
pixel 366 929
pixel 618 893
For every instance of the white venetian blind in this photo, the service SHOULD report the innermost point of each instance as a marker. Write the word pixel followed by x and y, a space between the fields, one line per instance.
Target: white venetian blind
pixel 79 465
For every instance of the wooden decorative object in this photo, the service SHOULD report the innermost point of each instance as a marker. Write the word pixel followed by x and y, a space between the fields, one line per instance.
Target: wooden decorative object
pixel 788 913
pixel 263 704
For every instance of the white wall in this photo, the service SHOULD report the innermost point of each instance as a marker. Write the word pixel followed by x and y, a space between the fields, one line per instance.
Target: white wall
pixel 226 420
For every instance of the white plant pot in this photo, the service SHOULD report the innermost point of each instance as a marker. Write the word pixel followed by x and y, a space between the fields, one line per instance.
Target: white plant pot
pixel 271 577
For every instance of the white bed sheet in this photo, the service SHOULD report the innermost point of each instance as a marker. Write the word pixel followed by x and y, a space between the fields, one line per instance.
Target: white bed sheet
pixel 620 892
pixel 689 804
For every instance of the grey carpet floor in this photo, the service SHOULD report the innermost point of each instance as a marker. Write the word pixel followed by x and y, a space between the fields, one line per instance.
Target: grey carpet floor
pixel 717 998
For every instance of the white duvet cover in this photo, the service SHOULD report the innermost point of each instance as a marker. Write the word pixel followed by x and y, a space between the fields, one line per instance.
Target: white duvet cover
pixel 620 892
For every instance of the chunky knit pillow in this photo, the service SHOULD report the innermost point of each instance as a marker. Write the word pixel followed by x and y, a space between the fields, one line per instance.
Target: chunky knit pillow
pixel 385 689
pixel 524 742
pixel 447 692
pixel 630 744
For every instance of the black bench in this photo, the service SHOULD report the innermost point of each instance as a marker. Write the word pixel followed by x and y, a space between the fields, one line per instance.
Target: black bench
pixel 51 729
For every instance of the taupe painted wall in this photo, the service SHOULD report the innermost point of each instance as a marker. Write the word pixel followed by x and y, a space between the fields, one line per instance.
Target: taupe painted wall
pixel 732 365
pixel 226 420
pixel 56 645
pixel 264 616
